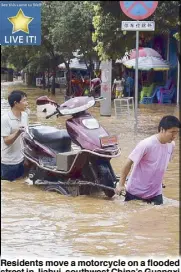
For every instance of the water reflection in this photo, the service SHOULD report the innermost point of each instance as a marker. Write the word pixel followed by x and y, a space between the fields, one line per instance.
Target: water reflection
pixel 45 224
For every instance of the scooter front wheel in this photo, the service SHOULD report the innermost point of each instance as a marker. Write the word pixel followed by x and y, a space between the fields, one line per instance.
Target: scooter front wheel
pixel 56 188
pixel 106 178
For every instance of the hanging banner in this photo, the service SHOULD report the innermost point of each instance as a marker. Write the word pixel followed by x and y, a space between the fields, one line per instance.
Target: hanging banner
pixel 38 81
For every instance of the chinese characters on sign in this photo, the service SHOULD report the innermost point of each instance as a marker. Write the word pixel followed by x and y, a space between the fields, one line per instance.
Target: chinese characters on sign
pixel 138 25
pixel 105 88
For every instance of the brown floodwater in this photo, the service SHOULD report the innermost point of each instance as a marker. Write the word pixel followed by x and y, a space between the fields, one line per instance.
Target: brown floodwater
pixel 46 224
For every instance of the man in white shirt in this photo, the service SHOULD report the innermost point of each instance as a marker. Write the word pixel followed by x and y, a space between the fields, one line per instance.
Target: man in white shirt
pixel 13 123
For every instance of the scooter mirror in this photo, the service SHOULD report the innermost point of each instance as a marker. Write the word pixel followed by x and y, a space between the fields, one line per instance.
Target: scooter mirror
pixel 43 100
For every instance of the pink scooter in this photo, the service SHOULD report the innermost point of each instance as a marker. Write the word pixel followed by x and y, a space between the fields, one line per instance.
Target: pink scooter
pixel 75 160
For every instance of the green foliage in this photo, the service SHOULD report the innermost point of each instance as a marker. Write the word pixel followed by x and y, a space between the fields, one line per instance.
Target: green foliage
pixel 177 36
pixel 166 16
pixel 112 42
pixel 66 27
pixel 92 27
pixel 73 28
pixel 18 56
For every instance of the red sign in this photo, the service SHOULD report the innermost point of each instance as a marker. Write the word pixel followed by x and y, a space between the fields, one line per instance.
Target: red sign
pixel 105 87
pixel 138 10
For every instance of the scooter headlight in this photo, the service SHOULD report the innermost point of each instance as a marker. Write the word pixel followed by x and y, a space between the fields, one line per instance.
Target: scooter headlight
pixel 90 123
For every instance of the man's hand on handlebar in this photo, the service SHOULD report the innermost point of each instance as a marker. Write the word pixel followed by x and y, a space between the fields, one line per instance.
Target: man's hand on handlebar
pixel 120 189
pixel 50 115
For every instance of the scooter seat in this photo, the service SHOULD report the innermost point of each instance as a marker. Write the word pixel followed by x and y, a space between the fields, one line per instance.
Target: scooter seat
pixel 54 138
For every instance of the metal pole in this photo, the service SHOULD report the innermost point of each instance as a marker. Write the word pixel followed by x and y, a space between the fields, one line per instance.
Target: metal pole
pixel 136 79
pixel 178 82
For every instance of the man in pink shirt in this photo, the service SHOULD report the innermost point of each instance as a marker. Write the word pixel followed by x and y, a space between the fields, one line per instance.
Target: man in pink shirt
pixel 150 159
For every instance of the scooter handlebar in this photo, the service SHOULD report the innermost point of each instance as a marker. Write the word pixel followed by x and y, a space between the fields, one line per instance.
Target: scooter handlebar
pixel 50 115
pixel 100 98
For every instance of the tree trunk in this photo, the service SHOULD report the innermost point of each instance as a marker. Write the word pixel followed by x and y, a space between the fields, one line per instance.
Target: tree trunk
pixel 29 79
pixel 10 76
pixel 53 85
pixel 91 68
pixel 53 81
pixel 44 84
pixel 34 79
pixel 48 80
pixel 69 87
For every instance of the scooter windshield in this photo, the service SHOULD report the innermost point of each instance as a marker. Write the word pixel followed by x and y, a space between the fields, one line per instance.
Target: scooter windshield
pixel 77 104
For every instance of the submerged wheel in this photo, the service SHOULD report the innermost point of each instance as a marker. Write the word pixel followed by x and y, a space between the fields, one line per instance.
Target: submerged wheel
pixel 56 188
pixel 106 178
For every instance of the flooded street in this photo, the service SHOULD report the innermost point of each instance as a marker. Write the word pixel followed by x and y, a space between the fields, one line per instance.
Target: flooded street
pixel 46 224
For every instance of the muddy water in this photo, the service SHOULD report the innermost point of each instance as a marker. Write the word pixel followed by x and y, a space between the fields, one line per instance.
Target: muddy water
pixel 45 224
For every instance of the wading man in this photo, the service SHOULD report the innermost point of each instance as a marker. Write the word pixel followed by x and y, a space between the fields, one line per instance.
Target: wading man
pixel 13 123
pixel 150 159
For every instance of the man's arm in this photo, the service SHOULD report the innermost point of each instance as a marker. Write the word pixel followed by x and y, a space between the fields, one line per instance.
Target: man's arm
pixel 124 173
pixel 12 137
pixel 113 86
pixel 172 152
